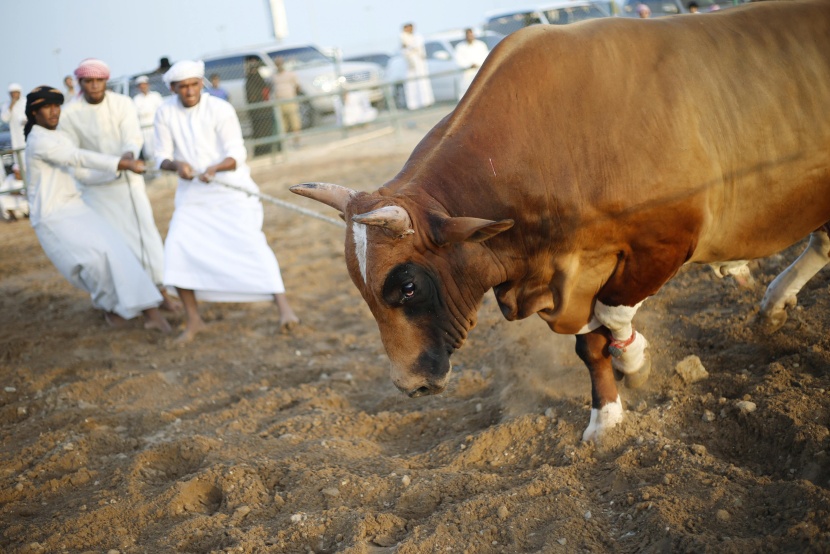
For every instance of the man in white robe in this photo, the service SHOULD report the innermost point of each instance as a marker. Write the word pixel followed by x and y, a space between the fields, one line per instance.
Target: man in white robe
pixel 13 202
pixel 417 89
pixel 107 122
pixel 215 248
pixel 81 244
pixel 147 102
pixel 13 112
pixel 470 55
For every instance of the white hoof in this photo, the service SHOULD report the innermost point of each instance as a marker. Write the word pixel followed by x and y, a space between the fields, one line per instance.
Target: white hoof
pixel 607 417
pixel 773 317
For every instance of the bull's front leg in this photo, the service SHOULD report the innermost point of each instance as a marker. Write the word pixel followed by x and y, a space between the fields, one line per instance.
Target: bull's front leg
pixel 628 348
pixel 606 407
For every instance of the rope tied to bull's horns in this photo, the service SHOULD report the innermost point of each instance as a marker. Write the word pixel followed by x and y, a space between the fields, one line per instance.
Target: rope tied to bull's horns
pixel 278 202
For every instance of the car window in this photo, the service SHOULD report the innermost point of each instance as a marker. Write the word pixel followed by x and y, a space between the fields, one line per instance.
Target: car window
pixel 228 69
pixel 562 16
pixel 434 47
pixel 303 56
pixel 507 24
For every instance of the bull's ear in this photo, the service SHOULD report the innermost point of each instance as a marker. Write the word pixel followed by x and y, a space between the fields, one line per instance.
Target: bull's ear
pixel 468 229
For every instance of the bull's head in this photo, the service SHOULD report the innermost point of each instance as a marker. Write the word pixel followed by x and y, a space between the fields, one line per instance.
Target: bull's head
pixel 422 273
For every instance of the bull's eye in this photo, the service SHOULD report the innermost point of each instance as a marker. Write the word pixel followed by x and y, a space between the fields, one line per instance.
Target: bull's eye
pixel 407 291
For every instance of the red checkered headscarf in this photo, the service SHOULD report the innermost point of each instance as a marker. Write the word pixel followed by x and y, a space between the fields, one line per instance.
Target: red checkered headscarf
pixel 91 68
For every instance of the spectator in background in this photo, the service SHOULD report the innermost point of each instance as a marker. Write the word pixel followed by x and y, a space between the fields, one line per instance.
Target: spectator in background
pixel 13 112
pixel 86 250
pixel 256 90
pixel 287 86
pixel 146 103
pixel 215 88
pixel 107 122
pixel 13 205
pixel 417 89
pixel 470 54
pixel 215 246
pixel 71 93
pixel 164 66
pixel 643 11
pixel 694 7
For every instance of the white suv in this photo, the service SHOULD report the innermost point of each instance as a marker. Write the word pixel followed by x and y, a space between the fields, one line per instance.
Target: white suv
pixel 317 73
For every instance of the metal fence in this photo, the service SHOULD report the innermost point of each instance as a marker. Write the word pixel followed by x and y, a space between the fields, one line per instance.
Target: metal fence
pixel 389 111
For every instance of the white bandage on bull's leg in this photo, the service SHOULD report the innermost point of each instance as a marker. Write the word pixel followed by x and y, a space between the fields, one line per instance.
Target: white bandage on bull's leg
pixel 781 293
pixel 628 347
pixel 603 419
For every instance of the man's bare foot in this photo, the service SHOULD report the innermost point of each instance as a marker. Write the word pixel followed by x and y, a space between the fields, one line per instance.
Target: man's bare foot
pixel 114 320
pixel 288 322
pixel 154 320
pixel 170 304
pixel 190 332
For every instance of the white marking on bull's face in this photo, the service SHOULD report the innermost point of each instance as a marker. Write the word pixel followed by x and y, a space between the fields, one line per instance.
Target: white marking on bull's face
pixel 360 247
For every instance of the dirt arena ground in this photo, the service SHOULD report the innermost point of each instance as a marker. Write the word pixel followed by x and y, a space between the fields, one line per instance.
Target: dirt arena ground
pixel 252 441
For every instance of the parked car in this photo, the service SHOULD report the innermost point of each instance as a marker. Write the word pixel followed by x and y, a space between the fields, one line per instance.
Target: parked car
pixel 628 8
pixel 379 58
pixel 444 70
pixel 553 13
pixel 316 72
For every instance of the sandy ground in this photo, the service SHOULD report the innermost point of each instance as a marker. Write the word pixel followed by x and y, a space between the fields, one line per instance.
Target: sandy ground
pixel 251 441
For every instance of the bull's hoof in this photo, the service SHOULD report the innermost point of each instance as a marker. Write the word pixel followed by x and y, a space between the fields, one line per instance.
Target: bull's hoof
pixel 639 378
pixel 770 319
pixel 770 323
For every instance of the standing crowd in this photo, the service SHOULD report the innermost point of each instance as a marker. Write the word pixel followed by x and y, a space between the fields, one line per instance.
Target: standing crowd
pixel 89 208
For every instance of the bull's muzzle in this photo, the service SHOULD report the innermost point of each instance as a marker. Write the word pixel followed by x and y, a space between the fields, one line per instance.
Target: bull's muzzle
pixel 416 386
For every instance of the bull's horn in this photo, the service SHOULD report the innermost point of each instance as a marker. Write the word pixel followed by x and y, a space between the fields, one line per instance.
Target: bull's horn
pixel 394 218
pixel 332 195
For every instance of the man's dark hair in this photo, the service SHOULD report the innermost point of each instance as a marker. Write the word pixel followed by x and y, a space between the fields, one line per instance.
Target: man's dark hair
pixel 693 5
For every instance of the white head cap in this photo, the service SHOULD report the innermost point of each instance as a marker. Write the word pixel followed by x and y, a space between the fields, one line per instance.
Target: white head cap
pixel 185 69
pixel 14 87
pixel 142 79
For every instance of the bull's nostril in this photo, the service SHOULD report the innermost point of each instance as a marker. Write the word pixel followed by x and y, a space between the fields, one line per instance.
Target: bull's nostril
pixel 420 391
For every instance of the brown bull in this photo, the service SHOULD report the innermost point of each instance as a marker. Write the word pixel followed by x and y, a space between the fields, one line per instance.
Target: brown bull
pixel 584 167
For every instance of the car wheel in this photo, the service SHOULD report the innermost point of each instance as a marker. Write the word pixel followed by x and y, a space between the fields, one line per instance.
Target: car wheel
pixel 308 115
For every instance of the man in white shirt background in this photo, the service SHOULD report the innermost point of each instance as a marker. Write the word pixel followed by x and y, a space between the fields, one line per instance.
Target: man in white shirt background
pixel 13 112
pixel 470 54
pixel 107 122
pixel 417 89
pixel 146 103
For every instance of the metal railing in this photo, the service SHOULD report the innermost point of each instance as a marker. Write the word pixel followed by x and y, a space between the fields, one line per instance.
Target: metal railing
pixel 389 113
